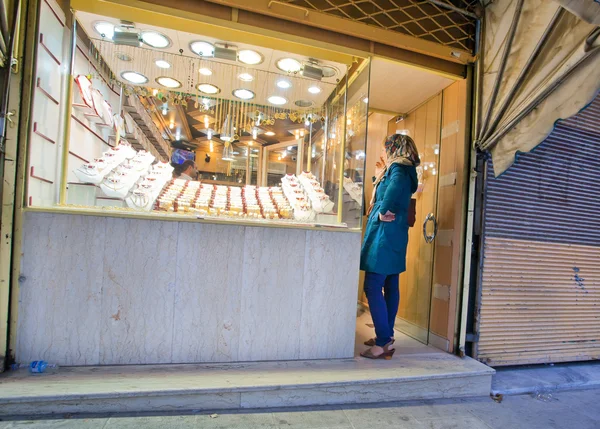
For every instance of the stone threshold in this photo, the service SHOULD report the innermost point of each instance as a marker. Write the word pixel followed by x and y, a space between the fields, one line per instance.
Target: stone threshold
pixel 207 387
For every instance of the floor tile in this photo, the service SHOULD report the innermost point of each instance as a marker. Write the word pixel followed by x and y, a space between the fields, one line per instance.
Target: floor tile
pixel 454 423
pixel 238 421
pixel 59 424
pixel 312 419
pixel 388 417
pixel 526 412
pixel 171 422
pixel 443 409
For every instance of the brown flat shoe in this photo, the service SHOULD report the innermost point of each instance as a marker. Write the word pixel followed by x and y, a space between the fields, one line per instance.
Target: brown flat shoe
pixel 387 353
pixel 371 342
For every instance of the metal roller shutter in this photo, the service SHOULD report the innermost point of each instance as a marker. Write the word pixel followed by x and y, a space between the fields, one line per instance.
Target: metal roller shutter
pixel 539 297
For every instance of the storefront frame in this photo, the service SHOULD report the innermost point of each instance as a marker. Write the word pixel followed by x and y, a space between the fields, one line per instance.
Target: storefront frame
pixel 20 183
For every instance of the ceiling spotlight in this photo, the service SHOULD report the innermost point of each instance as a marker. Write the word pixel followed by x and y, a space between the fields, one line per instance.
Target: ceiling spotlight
pixel 289 65
pixel 124 57
pixel 244 94
pixel 314 90
pixel 172 125
pixel 246 77
pixel 284 84
pixel 250 57
pixel 277 100
pixel 303 103
pixel 162 64
pixel 168 82
pixel 105 29
pixel 204 49
pixel 269 133
pixel 134 77
pixel 365 100
pixel 155 39
pixel 205 71
pixel 207 88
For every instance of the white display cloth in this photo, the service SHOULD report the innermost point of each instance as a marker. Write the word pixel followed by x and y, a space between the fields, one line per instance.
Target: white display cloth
pixel 531 92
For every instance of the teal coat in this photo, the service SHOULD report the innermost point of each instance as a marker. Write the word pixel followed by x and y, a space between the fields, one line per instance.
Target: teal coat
pixel 384 246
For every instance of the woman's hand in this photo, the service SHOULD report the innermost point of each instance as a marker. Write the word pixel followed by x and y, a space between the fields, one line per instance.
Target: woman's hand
pixel 387 217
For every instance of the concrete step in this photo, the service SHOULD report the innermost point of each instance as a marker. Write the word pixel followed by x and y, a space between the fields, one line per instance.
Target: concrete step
pixel 207 387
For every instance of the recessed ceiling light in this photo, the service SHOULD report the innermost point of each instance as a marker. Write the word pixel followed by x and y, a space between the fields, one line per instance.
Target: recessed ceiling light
pixel 162 64
pixel 205 71
pixel 277 100
pixel 244 94
pixel 289 65
pixel 284 84
pixel 155 39
pixel 124 57
pixel 246 77
pixel 105 29
pixel 314 89
pixel 303 103
pixel 269 133
pixel 207 88
pixel 134 77
pixel 247 56
pixel 365 100
pixel 329 71
pixel 204 49
pixel 168 82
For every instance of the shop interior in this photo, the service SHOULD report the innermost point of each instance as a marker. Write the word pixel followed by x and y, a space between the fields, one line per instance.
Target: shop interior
pixel 274 137
pixel 267 131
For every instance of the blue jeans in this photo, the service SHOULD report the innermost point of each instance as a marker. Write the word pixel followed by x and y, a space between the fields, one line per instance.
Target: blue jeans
pixel 383 306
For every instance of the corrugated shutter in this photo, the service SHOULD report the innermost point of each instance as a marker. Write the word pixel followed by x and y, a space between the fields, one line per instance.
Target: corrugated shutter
pixel 540 294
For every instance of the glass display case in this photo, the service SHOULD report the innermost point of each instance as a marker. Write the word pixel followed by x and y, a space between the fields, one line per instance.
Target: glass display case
pixel 266 136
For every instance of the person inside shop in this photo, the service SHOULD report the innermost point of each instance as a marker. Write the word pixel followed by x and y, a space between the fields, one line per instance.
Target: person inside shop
pixel 188 170
pixel 383 254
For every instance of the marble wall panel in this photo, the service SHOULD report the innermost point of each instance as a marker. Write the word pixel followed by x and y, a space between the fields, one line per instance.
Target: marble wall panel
pixel 138 297
pixel 99 290
pixel 208 294
pixel 329 295
pixel 60 289
pixel 271 307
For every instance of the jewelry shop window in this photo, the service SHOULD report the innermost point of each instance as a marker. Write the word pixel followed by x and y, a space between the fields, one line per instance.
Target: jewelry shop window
pixel 158 121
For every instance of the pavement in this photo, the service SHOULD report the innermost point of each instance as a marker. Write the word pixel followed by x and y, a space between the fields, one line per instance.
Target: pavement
pixel 567 409
pixel 546 378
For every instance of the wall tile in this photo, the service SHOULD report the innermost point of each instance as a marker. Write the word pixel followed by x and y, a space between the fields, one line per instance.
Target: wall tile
pixel 208 293
pixel 139 291
pixel 271 307
pixel 60 295
pixel 329 295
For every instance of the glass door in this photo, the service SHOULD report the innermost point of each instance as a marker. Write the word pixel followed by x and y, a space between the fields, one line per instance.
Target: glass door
pixel 424 126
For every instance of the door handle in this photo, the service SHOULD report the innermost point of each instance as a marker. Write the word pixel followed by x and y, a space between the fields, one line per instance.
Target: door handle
pixel 430 238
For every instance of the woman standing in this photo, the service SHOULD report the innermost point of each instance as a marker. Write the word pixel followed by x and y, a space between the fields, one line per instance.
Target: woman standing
pixel 383 255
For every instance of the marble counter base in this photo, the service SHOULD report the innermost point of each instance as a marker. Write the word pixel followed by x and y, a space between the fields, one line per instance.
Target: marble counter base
pixel 106 291
pixel 251 385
